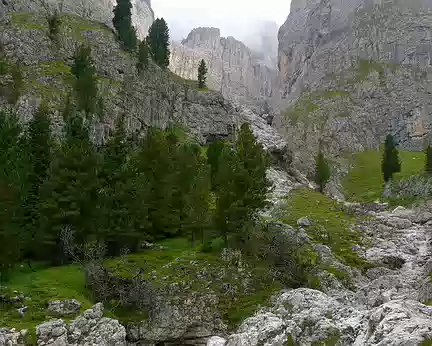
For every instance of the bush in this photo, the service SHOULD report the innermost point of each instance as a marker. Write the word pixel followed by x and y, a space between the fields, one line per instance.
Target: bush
pixel 54 24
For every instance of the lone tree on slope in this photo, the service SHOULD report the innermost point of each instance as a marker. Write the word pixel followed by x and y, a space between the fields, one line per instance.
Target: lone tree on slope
pixel 122 22
pixel 158 42
pixel 322 171
pixel 390 161
pixel 143 56
pixel 202 74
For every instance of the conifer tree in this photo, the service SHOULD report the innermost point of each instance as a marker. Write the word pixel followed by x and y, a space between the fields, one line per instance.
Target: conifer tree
pixel 69 194
pixel 116 195
pixel 241 184
pixel 158 42
pixel 202 75
pixel 11 175
pixel 390 160
pixel 15 89
pixel 322 171
pixel 213 153
pixel 86 89
pixel 37 146
pixel 428 163
pixel 143 56
pixel 123 24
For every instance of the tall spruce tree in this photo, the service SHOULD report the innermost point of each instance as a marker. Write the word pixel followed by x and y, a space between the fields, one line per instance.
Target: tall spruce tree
pixel 116 195
pixel 37 146
pixel 202 75
pixel 428 162
pixel 390 161
pixel 158 42
pixel 122 22
pixel 213 153
pixel 241 184
pixel 69 194
pixel 322 171
pixel 11 183
pixel 143 56
pixel 85 86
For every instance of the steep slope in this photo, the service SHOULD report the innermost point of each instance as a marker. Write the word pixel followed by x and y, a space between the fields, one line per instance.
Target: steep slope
pixel 234 69
pixel 354 71
pixel 153 98
pixel 97 10
pixel 389 306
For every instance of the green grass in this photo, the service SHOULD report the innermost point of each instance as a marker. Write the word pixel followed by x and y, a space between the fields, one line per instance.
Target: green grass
pixel 42 286
pixel 178 263
pixel 365 182
pixel 331 226
pixel 24 20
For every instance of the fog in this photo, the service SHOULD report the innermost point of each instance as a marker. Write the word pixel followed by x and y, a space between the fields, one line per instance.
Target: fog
pixel 238 18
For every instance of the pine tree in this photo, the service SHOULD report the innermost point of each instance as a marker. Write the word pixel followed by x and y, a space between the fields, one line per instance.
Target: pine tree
pixel 202 75
pixel 390 161
pixel 37 146
pixel 241 185
pixel 322 171
pixel 428 163
pixel 213 153
pixel 86 89
pixel 15 89
pixel 11 182
pixel 116 195
pixel 122 22
pixel 69 194
pixel 158 42
pixel 143 56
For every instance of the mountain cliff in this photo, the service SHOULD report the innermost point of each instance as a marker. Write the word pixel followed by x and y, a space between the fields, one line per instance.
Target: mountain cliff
pixel 234 69
pixel 98 10
pixel 353 72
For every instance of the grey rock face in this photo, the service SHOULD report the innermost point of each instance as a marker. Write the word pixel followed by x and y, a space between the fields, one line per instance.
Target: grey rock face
pixel 354 71
pixel 65 307
pixel 385 308
pixel 91 328
pixel 152 99
pixel 98 10
pixel 233 68
pixel 12 337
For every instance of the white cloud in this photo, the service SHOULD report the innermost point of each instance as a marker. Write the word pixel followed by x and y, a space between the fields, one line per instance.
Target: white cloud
pixel 234 17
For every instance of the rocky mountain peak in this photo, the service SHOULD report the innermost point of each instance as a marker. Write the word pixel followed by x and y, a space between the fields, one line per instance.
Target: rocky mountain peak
pixel 203 37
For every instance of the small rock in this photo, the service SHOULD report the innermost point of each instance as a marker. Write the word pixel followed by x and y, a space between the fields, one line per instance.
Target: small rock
pixel 65 307
pixel 216 341
pixel 304 222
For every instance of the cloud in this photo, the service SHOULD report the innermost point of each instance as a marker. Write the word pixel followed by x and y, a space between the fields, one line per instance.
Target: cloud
pixel 234 17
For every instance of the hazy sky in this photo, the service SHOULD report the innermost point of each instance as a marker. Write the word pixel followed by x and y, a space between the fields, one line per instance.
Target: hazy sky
pixel 233 17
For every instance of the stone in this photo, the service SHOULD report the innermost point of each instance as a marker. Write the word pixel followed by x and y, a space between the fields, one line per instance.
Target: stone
pixel 65 307
pixel 90 328
pixel 233 68
pixel 12 337
pixel 304 222
pixel 359 70
pixel 96 10
pixel 216 341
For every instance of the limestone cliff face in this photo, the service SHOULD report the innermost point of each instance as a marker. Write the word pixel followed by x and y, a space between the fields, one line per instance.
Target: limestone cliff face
pixel 98 10
pixel 233 68
pixel 150 99
pixel 354 71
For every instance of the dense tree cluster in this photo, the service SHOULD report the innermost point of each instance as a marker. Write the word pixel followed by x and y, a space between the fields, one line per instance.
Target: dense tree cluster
pixel 117 195
pixel 123 192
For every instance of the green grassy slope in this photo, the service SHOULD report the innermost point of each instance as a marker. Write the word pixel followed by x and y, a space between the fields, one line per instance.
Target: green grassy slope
pixel 365 182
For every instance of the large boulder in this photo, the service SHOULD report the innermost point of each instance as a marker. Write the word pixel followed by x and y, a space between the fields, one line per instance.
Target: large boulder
pixel 12 337
pixel 90 328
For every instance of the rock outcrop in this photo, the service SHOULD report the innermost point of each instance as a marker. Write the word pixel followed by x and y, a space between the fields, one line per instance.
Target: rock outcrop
pixel 389 305
pixel 97 10
pixel 91 328
pixel 150 99
pixel 353 72
pixel 233 69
